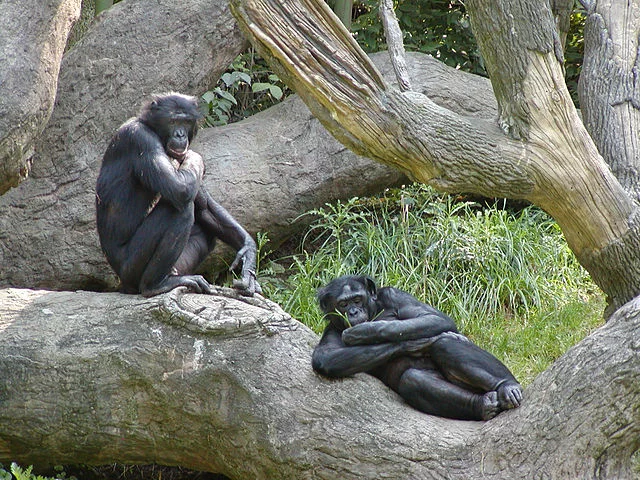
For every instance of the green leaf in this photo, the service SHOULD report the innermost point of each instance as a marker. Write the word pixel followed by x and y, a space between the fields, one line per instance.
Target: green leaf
pixel 227 78
pixel 260 87
pixel 227 96
pixel 245 77
pixel 209 96
pixel 276 92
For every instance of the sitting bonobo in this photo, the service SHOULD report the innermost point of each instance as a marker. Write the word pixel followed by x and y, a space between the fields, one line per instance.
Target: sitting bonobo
pixel 413 348
pixel 156 221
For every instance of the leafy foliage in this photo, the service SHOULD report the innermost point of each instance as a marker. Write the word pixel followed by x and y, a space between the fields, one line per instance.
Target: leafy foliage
pixel 442 28
pixel 247 87
pixel 18 473
pixel 574 51
pixel 508 278
pixel 437 27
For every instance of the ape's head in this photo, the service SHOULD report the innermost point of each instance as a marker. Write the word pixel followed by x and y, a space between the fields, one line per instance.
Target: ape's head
pixel 348 301
pixel 174 118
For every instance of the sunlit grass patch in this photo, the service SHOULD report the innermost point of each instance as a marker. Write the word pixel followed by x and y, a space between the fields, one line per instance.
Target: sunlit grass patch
pixel 507 277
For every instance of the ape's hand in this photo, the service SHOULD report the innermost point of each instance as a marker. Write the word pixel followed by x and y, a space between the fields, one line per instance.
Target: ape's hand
pixel 191 160
pixel 248 284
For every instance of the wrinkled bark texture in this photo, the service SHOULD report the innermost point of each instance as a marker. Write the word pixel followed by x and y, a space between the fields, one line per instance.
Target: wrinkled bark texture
pixel 541 152
pixel 224 384
pixel 609 95
pixel 597 210
pixel 31 47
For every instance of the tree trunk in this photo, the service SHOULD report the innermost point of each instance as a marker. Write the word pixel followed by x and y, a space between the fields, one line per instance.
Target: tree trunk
pixel 609 99
pixel 31 49
pixel 267 170
pixel 224 384
pixel 546 155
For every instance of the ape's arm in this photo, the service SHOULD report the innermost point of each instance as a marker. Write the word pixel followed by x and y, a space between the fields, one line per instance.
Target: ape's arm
pixel 402 318
pixel 154 169
pixel 217 222
pixel 332 358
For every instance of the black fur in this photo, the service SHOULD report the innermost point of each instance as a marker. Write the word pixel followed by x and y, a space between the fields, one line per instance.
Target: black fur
pixel 413 348
pixel 155 221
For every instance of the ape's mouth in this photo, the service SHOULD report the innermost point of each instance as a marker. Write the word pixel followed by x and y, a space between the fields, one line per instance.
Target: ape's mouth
pixel 177 154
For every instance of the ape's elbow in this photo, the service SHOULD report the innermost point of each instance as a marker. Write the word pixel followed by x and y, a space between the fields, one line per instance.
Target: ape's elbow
pixel 319 365
pixel 326 368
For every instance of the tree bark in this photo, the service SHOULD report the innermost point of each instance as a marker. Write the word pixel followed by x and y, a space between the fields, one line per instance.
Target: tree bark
pixel 267 170
pixel 609 97
pixel 224 384
pixel 546 155
pixel 31 47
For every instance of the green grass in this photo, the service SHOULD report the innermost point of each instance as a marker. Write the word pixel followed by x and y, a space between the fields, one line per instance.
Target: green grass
pixel 508 278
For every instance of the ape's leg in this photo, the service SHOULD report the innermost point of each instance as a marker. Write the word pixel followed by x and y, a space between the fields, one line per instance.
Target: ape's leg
pixel 430 392
pixel 198 247
pixel 150 255
pixel 217 223
pixel 464 363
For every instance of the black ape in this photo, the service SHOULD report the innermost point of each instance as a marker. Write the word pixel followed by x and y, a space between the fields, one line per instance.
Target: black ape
pixel 155 221
pixel 413 348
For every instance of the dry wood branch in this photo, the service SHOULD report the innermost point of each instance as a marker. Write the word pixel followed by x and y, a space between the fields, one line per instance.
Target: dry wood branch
pixel 395 44
pixel 350 98
pixel 553 162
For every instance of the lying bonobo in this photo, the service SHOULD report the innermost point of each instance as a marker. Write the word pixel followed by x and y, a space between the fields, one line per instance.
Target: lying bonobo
pixel 413 348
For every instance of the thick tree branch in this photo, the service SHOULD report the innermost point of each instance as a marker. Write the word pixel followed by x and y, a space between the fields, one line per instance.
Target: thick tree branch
pixel 608 89
pixel 224 384
pixel 281 160
pixel 555 164
pixel 345 91
pixel 31 49
pixel 599 219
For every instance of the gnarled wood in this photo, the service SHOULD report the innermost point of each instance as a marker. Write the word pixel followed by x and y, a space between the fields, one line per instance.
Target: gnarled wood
pixel 224 384
pixel 547 158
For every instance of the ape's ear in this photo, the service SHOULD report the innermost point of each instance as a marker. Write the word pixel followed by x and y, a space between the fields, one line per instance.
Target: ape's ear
pixel 370 286
pixel 321 295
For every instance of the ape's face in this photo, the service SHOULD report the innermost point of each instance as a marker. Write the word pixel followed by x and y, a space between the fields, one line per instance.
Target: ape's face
pixel 348 299
pixel 351 304
pixel 174 119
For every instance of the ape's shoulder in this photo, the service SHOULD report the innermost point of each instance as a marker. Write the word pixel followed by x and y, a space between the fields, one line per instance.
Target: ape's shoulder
pixel 394 298
pixel 392 293
pixel 132 130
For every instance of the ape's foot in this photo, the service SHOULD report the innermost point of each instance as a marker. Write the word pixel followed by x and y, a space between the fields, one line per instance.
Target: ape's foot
pixel 490 406
pixel 509 395
pixel 195 283
pixel 247 287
